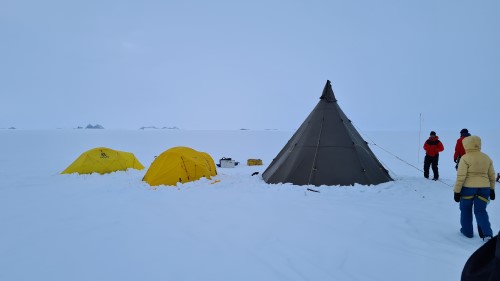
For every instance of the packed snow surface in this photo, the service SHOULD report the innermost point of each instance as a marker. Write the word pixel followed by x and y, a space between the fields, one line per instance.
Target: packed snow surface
pixel 231 227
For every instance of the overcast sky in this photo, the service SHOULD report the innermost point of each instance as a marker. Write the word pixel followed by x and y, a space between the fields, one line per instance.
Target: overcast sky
pixel 259 64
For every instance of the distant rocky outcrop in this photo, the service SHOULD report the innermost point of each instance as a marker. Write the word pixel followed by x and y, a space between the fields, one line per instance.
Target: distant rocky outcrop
pixel 156 128
pixel 96 126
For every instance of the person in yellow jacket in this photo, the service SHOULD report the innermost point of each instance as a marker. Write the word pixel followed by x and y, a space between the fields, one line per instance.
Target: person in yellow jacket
pixel 474 186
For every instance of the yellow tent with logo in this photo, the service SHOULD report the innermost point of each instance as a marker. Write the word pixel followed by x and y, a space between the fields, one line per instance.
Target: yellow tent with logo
pixel 103 160
pixel 180 164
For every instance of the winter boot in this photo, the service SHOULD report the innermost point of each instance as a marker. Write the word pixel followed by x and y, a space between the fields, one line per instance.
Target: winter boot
pixel 466 235
pixel 480 231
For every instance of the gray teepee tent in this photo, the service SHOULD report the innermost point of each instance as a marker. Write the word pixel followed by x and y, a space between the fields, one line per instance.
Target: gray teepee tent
pixel 326 150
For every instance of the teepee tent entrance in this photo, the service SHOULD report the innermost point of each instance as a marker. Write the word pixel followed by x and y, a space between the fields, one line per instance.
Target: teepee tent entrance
pixel 326 150
pixel 103 160
pixel 179 165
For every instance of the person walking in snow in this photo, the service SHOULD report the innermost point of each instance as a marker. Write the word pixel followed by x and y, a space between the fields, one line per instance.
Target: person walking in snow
pixel 432 147
pixel 459 147
pixel 474 186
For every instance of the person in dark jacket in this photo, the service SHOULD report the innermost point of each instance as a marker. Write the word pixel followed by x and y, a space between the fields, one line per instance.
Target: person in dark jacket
pixel 459 147
pixel 484 263
pixel 432 148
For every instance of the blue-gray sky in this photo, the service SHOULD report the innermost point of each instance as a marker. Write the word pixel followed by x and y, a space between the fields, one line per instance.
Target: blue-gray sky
pixel 258 64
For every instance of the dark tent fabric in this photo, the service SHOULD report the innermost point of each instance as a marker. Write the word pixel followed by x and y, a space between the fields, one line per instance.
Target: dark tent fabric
pixel 326 150
pixel 484 263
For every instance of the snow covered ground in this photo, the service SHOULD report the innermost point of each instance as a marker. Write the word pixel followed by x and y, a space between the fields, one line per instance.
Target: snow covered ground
pixel 116 227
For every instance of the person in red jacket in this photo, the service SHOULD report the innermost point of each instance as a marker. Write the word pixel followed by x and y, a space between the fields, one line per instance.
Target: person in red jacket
pixel 432 148
pixel 459 147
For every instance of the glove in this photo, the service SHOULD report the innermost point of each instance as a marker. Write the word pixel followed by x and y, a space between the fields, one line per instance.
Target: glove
pixel 456 197
pixel 492 194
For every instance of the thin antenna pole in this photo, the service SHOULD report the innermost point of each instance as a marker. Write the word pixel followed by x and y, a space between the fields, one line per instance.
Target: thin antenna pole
pixel 419 134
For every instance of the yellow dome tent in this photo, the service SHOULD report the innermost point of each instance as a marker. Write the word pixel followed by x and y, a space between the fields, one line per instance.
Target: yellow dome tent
pixel 103 160
pixel 180 164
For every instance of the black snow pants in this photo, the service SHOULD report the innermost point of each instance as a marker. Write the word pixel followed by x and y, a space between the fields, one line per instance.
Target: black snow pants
pixel 431 161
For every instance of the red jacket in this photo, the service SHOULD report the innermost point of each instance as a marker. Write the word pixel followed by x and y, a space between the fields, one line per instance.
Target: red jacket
pixel 433 146
pixel 459 148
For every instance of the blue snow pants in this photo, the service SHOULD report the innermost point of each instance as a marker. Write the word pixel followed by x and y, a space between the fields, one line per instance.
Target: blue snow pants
pixel 476 198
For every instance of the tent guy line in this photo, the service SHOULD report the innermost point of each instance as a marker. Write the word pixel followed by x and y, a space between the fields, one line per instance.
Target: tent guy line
pixel 401 159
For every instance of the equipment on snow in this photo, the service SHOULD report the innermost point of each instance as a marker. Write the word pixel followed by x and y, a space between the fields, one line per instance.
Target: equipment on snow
pixel 225 162
pixel 254 162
